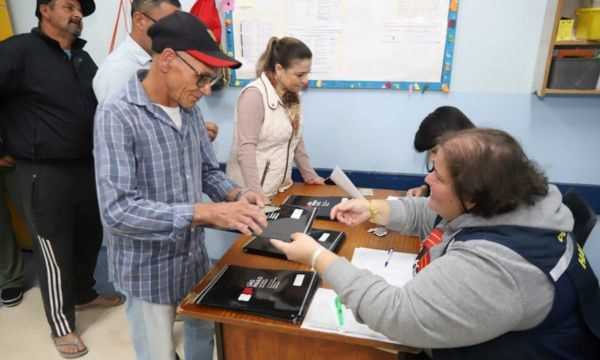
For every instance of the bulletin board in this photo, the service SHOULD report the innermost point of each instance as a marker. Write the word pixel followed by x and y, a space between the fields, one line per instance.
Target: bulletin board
pixel 382 44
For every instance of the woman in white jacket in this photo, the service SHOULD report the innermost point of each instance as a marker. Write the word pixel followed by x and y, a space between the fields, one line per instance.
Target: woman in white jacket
pixel 268 130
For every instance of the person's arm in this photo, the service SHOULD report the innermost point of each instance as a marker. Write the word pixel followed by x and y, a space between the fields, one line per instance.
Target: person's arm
pixel 405 215
pixel 418 191
pixel 213 130
pixel 251 115
pixel 303 162
pixel 411 215
pixel 472 294
pixel 11 68
pixel 123 208
pixel 11 72
pixel 466 297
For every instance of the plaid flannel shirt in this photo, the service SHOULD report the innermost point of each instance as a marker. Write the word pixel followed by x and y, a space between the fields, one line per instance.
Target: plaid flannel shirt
pixel 149 175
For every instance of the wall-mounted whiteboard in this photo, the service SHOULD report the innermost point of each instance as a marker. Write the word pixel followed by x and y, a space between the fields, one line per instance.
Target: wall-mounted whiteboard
pixel 393 44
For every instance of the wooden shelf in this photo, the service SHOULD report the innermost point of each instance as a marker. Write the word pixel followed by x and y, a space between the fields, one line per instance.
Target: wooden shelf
pixel 562 8
pixel 576 43
pixel 569 92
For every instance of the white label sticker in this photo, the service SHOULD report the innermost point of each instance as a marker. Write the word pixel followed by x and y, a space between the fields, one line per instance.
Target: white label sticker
pixel 324 237
pixel 244 297
pixel 298 280
pixel 297 214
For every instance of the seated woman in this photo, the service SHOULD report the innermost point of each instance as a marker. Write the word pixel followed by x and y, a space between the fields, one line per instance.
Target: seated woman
pixel 441 121
pixel 506 281
pixel 268 131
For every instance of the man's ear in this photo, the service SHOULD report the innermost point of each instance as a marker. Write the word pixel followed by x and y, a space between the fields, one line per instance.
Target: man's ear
pixel 137 20
pixel 165 59
pixel 44 8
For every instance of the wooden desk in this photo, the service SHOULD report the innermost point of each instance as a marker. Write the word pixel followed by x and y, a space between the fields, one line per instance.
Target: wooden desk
pixel 242 336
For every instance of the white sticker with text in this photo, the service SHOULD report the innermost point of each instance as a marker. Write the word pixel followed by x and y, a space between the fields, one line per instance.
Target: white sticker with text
pixel 298 280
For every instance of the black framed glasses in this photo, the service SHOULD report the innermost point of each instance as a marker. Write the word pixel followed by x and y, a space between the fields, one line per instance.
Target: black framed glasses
pixel 201 79
pixel 148 16
pixel 430 165
pixel 431 168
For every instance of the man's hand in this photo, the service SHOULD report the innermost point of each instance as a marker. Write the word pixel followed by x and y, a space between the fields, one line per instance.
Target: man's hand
pixel 315 181
pixel 418 191
pixel 7 161
pixel 239 215
pixel 254 198
pixel 351 212
pixel 212 129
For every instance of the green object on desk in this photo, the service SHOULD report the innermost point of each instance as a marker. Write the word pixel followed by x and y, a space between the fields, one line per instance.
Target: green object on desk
pixel 339 311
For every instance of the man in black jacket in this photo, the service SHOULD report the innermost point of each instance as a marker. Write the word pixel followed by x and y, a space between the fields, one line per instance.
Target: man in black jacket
pixel 47 109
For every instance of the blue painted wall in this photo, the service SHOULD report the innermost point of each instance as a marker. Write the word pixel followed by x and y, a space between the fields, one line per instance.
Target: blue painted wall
pixel 493 80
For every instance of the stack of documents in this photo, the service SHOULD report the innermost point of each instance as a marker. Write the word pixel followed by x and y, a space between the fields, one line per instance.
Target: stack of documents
pixel 322 314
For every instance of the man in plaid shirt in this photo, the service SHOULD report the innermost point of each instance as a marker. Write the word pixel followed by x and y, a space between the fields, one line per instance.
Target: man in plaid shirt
pixel 153 162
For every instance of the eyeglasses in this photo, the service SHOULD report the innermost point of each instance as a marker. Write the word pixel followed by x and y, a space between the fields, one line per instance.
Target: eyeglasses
pixel 148 16
pixel 201 79
pixel 431 168
pixel 430 165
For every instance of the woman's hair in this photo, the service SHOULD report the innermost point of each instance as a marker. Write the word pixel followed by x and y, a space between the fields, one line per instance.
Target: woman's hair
pixel 281 51
pixel 489 168
pixel 441 121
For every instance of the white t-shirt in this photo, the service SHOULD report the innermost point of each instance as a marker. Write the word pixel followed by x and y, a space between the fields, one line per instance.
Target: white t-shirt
pixel 174 113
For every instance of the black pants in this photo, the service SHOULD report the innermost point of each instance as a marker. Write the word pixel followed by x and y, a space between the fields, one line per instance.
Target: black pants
pixel 61 208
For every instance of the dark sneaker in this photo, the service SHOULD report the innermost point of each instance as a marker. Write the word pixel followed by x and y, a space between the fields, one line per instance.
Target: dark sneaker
pixel 12 296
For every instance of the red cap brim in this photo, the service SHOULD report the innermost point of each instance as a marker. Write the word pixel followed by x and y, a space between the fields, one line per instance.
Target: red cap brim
pixel 213 61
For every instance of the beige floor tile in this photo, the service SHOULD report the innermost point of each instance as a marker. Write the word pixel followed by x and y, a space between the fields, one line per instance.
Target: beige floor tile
pixel 24 332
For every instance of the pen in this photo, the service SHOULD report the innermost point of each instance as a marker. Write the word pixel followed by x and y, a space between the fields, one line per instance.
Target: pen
pixel 264 174
pixel 339 311
pixel 389 256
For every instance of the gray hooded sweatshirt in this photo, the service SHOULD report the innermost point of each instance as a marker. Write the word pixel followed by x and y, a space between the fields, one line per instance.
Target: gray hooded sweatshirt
pixel 477 291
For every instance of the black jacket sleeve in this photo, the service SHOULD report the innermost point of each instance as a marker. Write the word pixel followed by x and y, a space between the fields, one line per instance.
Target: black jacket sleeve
pixel 11 67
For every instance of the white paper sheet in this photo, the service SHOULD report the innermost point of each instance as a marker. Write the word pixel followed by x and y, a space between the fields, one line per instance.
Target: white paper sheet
pixel 322 316
pixel 341 180
pixel 399 270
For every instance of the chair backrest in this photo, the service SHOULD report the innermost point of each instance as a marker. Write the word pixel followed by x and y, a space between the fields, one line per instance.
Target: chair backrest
pixel 584 215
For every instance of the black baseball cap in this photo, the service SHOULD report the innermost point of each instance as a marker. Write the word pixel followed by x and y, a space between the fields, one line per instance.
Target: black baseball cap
pixel 87 7
pixel 182 31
